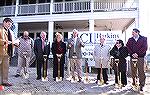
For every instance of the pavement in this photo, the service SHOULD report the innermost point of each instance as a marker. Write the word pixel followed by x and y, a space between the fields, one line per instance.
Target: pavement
pixel 31 86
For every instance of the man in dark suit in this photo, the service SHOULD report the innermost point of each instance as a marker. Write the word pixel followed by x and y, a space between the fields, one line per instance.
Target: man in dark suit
pixel 41 48
pixel 137 47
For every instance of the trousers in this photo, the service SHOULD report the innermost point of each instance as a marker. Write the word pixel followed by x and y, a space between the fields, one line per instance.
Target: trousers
pixel 4 68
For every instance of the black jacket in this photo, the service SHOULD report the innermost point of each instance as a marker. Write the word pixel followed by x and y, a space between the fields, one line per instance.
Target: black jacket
pixel 120 54
pixel 38 48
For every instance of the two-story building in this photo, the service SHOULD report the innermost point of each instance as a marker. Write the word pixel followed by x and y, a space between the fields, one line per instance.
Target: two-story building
pixel 65 15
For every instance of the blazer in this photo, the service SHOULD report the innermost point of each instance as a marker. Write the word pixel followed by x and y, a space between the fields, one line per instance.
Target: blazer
pixel 77 48
pixel 38 48
pixel 4 46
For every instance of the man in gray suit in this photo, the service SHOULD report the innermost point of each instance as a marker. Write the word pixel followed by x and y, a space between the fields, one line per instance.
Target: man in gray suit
pixel 75 56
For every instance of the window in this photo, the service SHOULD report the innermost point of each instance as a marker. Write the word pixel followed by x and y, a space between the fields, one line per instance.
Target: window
pixel 24 2
pixel 2 3
pixel 32 1
pixel 58 0
pixel 8 2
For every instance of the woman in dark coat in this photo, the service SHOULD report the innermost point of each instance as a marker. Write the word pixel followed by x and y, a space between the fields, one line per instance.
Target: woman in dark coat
pixel 58 48
pixel 119 51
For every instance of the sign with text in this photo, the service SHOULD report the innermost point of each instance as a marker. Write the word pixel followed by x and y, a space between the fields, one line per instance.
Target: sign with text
pixel 92 38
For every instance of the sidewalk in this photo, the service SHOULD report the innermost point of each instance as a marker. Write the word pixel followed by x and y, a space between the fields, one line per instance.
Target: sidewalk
pixel 31 86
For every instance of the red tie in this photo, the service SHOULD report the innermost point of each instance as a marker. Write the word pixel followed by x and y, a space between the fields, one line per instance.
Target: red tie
pixel 43 44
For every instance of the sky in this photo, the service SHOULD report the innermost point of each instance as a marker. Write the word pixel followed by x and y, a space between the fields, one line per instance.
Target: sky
pixel 144 21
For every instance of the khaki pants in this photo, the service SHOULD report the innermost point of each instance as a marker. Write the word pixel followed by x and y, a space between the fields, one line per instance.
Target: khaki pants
pixel 76 66
pixel 140 71
pixel 4 68
pixel 23 62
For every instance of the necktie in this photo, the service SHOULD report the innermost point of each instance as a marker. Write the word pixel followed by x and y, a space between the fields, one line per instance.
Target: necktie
pixel 43 44
pixel 74 46
pixel 9 36
pixel 10 45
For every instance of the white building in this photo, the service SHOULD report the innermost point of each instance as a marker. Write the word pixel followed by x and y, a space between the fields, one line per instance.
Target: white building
pixel 65 15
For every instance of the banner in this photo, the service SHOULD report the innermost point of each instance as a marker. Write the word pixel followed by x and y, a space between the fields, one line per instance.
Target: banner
pixel 92 38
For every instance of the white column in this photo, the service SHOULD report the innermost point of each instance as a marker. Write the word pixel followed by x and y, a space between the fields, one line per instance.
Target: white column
pixel 15 33
pixel 91 26
pixel 15 29
pixel 91 29
pixel 138 15
pixel 16 10
pixel 51 7
pixel 137 22
pixel 50 31
pixel 92 5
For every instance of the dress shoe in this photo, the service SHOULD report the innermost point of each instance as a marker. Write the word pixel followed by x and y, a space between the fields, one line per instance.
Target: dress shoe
pixel 17 75
pixel 106 83
pixel 54 79
pixel 133 83
pixel 6 84
pixel 123 85
pixel 96 81
pixel 79 80
pixel 141 88
pixel 38 78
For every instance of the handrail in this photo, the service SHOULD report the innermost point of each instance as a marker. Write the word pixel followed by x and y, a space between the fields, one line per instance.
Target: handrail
pixel 65 7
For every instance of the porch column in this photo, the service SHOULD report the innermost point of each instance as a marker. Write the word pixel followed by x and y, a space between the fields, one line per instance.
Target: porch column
pixel 138 15
pixel 91 25
pixel 51 6
pixel 137 21
pixel 92 5
pixel 91 29
pixel 15 32
pixel 15 29
pixel 16 10
pixel 50 31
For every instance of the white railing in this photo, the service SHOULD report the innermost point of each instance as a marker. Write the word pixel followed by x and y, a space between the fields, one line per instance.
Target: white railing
pixel 71 6
pixel 34 8
pixel 65 7
pixel 26 9
pixel 7 10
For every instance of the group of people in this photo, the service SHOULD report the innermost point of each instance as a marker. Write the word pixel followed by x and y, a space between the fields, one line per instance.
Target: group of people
pixel 136 48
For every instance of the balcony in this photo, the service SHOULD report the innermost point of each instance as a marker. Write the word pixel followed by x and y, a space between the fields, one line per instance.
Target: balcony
pixel 69 7
pixel 7 10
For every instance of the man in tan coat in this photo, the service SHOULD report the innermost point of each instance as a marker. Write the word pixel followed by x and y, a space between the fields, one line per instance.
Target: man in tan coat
pixel 101 56
pixel 5 50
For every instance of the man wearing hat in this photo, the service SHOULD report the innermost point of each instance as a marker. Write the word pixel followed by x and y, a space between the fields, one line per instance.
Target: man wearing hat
pixel 137 47
pixel 6 47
